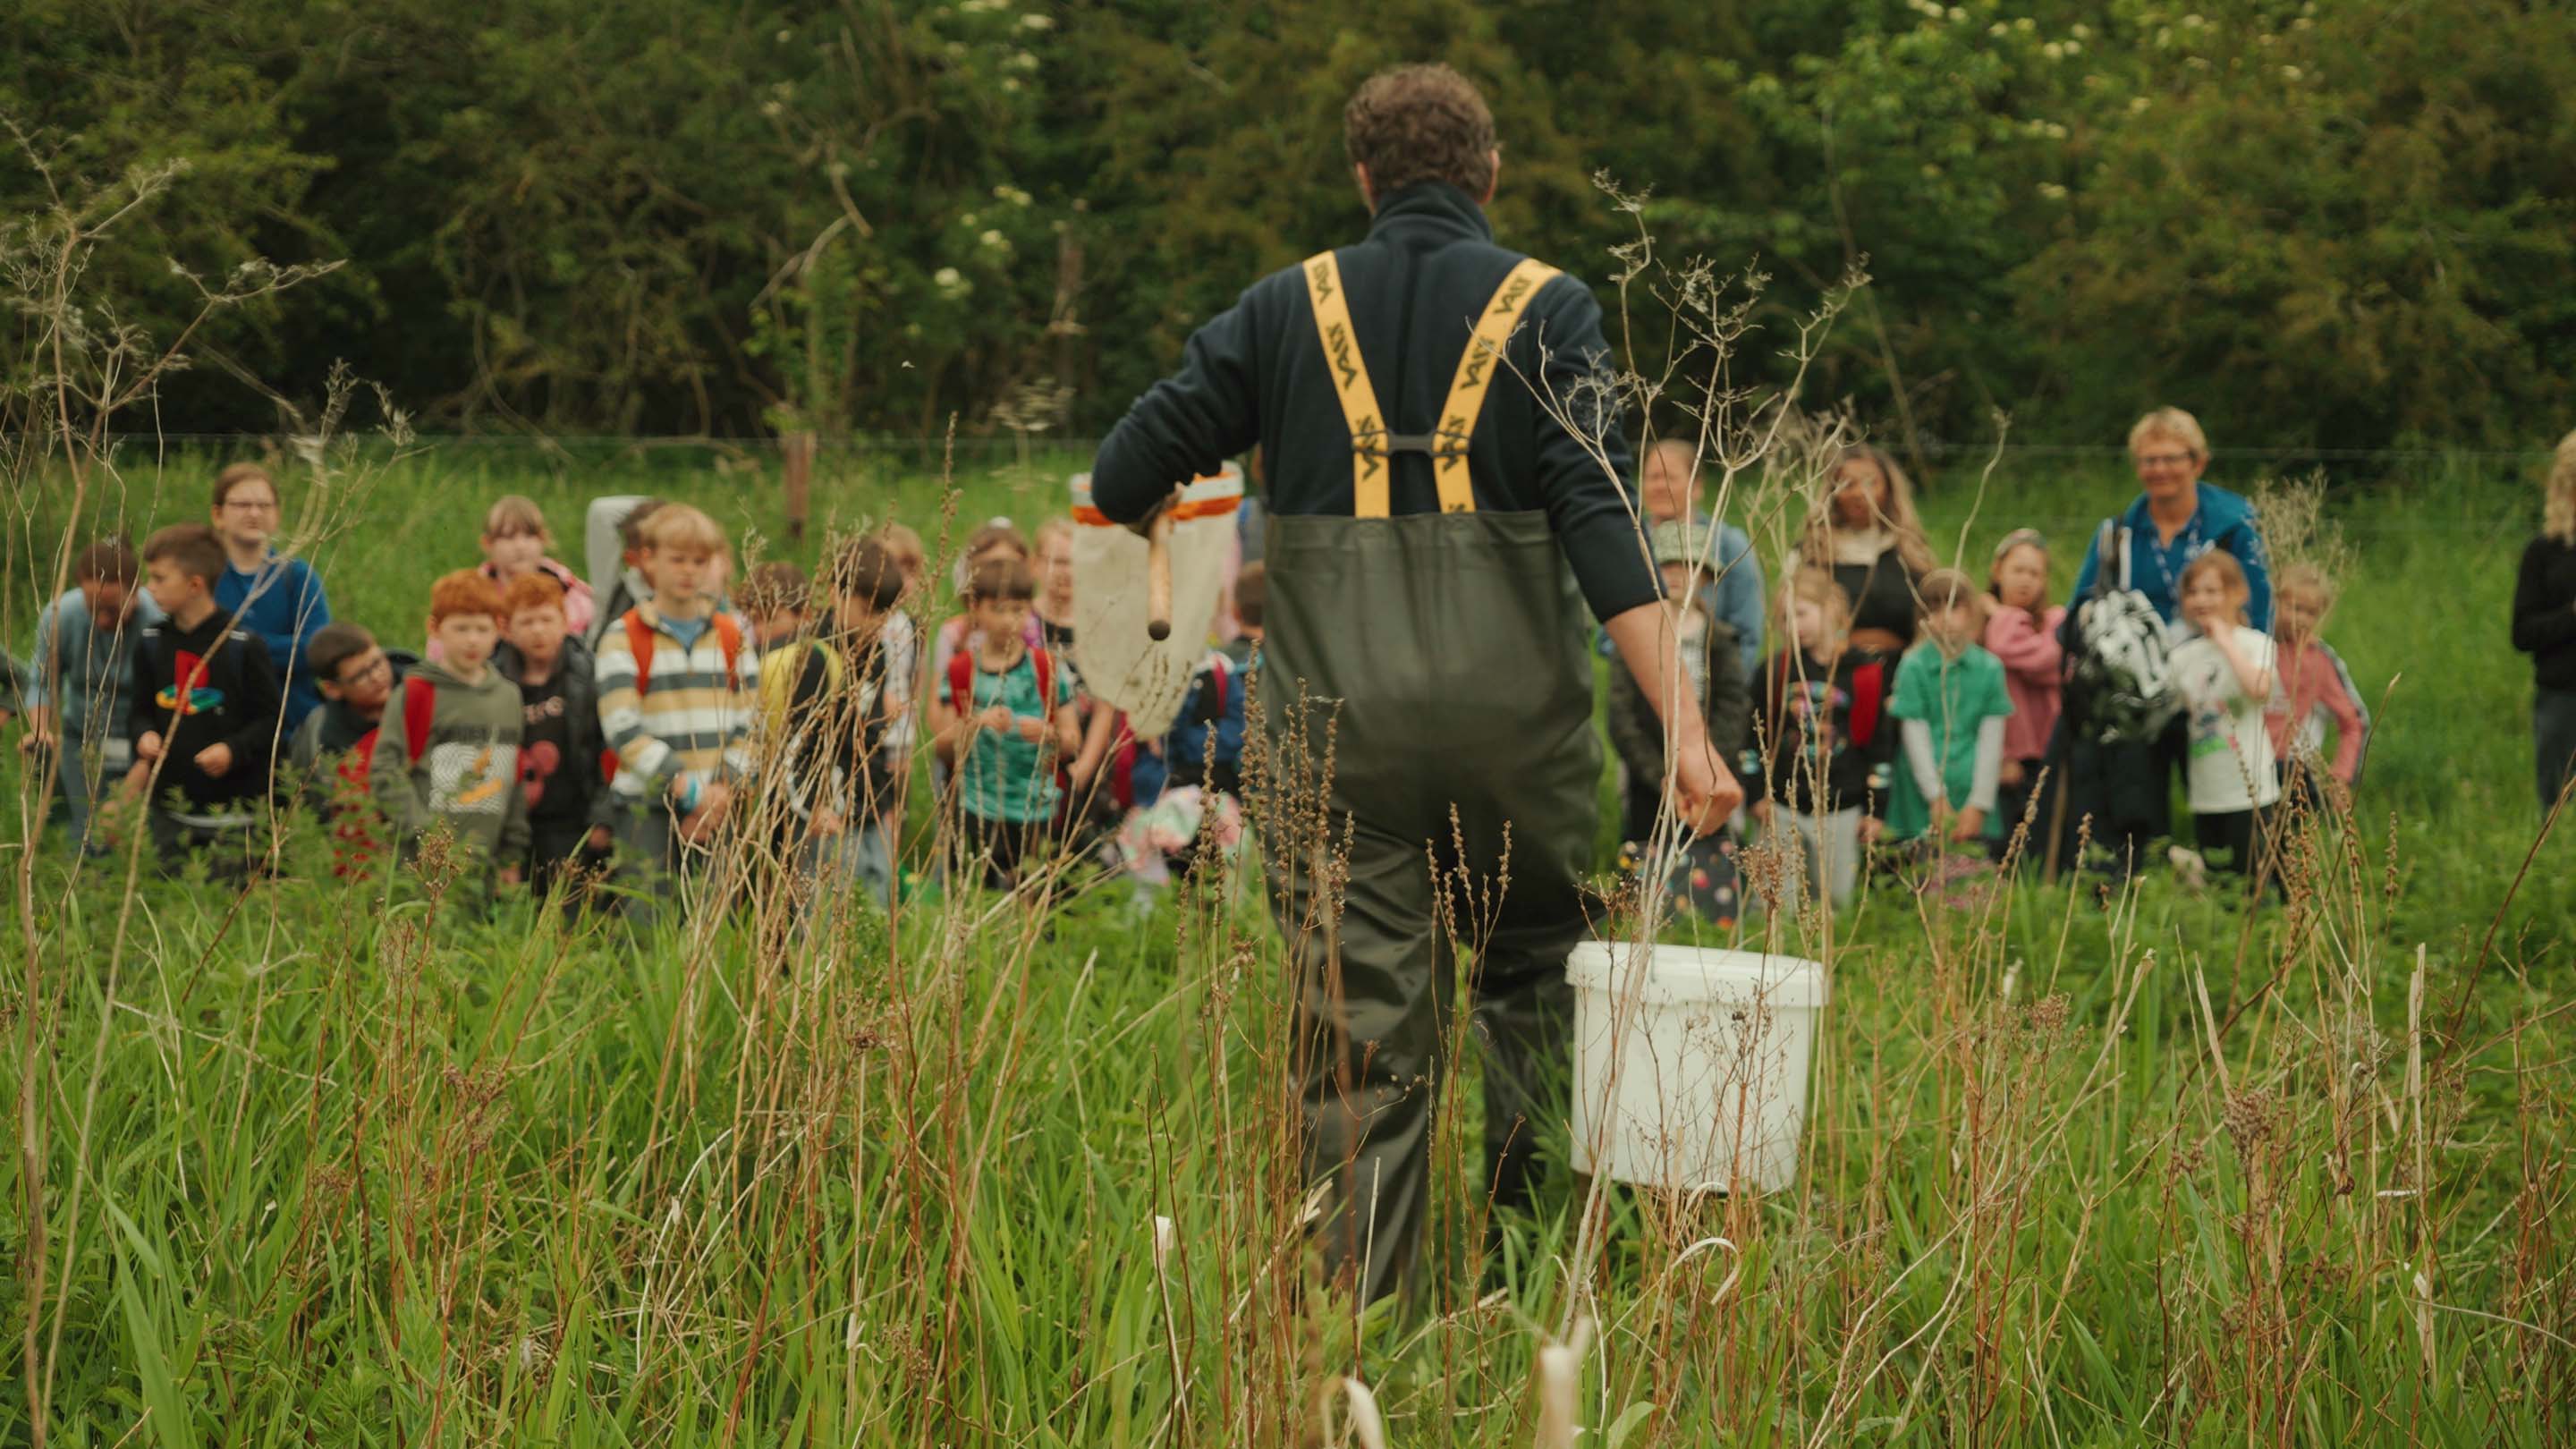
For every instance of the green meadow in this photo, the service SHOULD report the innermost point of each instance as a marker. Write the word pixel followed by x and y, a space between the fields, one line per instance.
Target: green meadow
pixel 326 1162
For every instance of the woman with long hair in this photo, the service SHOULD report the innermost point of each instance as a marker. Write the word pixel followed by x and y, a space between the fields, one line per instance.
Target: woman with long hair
pixel 1866 533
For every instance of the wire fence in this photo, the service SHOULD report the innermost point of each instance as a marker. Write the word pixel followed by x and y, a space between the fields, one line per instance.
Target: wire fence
pixel 989 445
pixel 1028 468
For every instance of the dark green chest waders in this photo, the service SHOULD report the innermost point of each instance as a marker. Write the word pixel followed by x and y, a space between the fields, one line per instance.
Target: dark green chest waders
pixel 1433 783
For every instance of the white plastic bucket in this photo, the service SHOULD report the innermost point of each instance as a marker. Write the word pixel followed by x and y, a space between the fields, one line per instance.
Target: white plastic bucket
pixel 1691 1065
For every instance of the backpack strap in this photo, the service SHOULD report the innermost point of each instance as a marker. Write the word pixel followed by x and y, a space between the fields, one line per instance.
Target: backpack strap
pixel 1211 695
pixel 420 702
pixel 1869 695
pixel 639 642
pixel 729 640
pixel 2110 551
pixel 1351 384
pixel 1122 765
pixel 147 652
pixel 1476 368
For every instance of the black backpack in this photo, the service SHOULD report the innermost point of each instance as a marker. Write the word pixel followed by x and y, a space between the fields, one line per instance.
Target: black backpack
pixel 2116 644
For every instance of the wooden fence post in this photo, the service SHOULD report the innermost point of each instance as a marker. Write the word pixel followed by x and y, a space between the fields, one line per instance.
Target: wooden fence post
pixel 796 454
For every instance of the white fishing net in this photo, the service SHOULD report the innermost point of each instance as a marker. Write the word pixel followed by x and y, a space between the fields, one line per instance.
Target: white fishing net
pixel 1118 660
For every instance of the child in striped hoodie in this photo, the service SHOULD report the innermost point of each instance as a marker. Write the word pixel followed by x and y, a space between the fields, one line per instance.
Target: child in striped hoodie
pixel 678 692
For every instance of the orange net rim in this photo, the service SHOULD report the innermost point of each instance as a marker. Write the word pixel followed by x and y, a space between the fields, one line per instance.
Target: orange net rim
pixel 1182 512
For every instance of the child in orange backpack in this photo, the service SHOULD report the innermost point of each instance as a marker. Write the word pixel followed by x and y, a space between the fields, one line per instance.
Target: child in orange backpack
pixel 678 691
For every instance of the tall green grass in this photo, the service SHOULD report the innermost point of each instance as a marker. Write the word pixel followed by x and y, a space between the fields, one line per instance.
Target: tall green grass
pixel 322 1165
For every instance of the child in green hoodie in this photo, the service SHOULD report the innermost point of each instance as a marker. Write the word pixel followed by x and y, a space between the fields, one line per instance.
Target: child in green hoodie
pixel 1950 707
pixel 449 745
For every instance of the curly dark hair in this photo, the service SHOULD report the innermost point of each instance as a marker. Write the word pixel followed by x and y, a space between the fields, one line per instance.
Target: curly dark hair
pixel 1420 123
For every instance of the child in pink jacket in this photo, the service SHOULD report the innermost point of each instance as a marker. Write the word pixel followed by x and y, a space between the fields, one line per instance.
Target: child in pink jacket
pixel 2022 632
pixel 2315 691
pixel 515 540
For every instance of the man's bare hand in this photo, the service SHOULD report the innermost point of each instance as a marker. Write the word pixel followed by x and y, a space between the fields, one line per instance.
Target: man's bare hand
pixel 1705 791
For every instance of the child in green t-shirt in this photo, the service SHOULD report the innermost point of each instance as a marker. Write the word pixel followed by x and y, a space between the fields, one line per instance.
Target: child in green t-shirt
pixel 1950 703
pixel 1003 714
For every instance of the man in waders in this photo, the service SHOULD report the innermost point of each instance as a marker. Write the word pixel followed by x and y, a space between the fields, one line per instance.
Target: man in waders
pixel 1425 630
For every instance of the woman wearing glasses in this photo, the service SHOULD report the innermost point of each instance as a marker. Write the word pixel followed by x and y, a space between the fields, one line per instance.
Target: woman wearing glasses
pixel 275 598
pixel 2127 786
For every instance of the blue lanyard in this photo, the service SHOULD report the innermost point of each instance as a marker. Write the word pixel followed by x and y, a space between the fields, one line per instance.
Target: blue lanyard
pixel 2164 565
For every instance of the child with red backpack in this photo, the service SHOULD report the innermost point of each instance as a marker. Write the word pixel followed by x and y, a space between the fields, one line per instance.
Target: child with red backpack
pixel 448 749
pixel 1000 714
pixel 678 691
pixel 335 747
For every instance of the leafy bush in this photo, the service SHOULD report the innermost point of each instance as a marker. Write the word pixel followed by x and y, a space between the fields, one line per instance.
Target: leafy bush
pixel 2324 227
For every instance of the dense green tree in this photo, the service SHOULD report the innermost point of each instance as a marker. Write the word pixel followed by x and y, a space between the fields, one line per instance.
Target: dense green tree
pixel 2325 227
pixel 2335 225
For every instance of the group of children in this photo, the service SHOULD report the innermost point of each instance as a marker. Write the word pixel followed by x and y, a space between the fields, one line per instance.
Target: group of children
pixel 555 736
pixel 552 740
pixel 1936 754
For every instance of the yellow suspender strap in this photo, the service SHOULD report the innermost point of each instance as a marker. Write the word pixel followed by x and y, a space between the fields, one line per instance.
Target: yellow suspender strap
pixel 1351 383
pixel 1476 368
